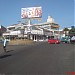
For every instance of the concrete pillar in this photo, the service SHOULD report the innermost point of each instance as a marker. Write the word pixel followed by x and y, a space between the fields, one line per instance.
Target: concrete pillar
pixel 31 37
pixel 35 37
pixel 53 33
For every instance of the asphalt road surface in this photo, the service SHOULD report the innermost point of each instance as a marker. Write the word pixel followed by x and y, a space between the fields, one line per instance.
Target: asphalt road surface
pixel 38 59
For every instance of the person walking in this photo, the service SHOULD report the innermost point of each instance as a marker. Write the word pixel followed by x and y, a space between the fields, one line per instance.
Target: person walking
pixel 4 44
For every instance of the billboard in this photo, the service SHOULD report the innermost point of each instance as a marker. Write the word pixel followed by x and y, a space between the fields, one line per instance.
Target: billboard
pixel 31 12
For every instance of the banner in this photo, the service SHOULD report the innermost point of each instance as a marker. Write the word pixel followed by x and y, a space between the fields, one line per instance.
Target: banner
pixel 32 12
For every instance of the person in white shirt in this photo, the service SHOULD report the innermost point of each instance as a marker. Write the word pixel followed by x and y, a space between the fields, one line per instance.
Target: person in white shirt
pixel 4 44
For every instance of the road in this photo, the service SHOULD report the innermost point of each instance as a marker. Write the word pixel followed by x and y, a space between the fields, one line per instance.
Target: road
pixel 38 59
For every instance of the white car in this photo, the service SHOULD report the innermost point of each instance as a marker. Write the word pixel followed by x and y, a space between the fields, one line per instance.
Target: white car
pixel 72 39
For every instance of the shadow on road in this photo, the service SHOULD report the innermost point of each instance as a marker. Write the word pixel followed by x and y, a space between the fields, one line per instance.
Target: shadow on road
pixel 9 51
pixel 4 56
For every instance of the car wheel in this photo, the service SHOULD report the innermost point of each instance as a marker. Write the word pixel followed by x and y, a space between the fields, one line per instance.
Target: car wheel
pixel 55 43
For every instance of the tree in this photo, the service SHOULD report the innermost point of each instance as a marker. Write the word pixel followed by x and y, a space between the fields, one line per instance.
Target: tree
pixel 72 32
pixel 66 30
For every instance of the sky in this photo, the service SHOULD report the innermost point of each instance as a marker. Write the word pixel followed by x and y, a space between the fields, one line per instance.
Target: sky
pixel 61 10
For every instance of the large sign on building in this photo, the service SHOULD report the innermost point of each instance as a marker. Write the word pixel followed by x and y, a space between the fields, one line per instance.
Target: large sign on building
pixel 31 12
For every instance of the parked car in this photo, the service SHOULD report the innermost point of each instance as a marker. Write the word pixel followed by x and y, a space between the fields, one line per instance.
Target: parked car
pixel 53 41
pixel 65 40
pixel 1 41
pixel 72 39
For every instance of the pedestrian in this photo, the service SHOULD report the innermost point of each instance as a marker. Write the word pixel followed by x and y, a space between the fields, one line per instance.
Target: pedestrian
pixel 4 44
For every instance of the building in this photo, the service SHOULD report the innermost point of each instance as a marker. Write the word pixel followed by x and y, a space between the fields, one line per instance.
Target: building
pixel 36 32
pixel 2 30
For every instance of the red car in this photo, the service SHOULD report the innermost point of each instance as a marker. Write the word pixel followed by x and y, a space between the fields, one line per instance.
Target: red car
pixel 53 41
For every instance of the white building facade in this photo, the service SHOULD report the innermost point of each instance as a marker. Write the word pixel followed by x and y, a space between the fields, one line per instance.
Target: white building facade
pixel 34 32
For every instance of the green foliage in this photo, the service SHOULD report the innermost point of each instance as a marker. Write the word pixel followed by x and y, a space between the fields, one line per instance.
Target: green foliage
pixel 65 29
pixel 72 31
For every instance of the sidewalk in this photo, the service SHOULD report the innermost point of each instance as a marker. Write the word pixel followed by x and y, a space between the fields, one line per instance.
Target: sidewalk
pixel 20 42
